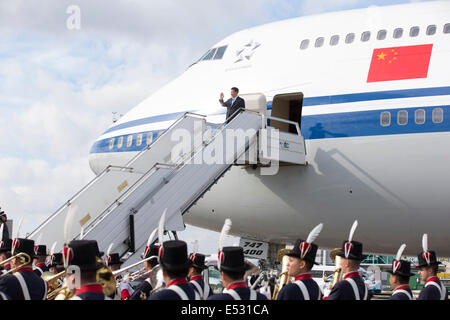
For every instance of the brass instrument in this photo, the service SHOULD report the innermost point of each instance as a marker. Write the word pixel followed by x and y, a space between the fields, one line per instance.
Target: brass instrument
pixel 52 280
pixel 56 291
pixel 154 279
pixel 115 273
pixel 141 274
pixel 337 274
pixel 284 277
pixel 24 258
pixel 61 293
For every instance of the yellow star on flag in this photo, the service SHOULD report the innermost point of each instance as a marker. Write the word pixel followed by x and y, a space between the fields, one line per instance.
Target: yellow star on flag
pixel 381 56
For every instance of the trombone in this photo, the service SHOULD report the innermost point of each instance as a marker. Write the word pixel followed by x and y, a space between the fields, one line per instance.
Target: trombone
pixel 25 259
pixel 115 273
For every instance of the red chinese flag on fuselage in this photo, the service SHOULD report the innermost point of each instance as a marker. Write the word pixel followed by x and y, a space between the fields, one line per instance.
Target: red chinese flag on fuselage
pixel 400 63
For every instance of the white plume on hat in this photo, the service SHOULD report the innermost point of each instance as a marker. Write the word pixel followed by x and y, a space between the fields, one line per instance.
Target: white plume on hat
pixel 151 237
pixel 162 222
pixel 352 231
pixel 68 228
pixel 225 231
pixel 314 233
pixel 425 242
pixel 310 239
pixel 350 238
pixel 18 228
pixel 400 252
pixel 52 250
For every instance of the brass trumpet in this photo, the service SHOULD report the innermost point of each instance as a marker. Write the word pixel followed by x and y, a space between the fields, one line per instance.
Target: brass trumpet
pixel 24 258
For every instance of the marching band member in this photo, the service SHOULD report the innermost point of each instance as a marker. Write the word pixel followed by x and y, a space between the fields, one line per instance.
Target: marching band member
pixel 353 286
pixel 428 268
pixel 124 291
pixel 5 253
pixel 232 268
pixel 301 260
pixel 175 264
pixel 40 256
pixel 195 276
pixel 23 284
pixel 399 279
pixel 83 253
pixel 144 289
pixel 56 264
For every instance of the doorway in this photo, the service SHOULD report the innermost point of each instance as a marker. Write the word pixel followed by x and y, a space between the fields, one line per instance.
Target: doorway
pixel 287 106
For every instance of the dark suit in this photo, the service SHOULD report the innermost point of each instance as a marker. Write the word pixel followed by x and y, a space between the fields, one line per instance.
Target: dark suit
pixel 201 283
pixel 167 294
pixel 232 108
pixel 292 291
pixel 5 234
pixel 35 285
pixel 431 292
pixel 400 295
pixel 344 291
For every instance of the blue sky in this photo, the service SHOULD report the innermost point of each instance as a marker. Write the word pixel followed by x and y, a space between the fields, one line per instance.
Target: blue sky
pixel 59 87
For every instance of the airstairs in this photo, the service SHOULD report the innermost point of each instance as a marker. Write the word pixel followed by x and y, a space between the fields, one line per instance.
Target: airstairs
pixel 122 205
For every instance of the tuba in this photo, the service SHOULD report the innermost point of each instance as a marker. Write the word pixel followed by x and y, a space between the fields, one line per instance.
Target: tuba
pixel 337 274
pixel 284 277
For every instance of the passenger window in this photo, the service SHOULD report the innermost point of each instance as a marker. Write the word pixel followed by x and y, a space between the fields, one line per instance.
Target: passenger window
pixel 447 28
pixel 414 32
pixel 111 143
pixel 350 38
pixel 220 52
pixel 334 40
pixel 419 116
pixel 438 115
pixel 431 29
pixel 365 36
pixel 129 140
pixel 402 117
pixel 210 54
pixel 304 45
pixel 385 119
pixel 139 139
pixel 120 142
pixel 381 35
pixel 398 33
pixel 149 138
pixel 319 42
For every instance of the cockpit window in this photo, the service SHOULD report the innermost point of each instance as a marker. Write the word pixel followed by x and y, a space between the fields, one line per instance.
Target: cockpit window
pixel 210 54
pixel 220 52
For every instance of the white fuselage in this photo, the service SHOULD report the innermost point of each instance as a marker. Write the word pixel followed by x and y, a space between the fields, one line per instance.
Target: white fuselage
pixel 393 178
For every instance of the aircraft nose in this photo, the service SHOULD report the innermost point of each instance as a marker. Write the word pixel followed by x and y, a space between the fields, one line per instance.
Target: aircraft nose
pixel 94 163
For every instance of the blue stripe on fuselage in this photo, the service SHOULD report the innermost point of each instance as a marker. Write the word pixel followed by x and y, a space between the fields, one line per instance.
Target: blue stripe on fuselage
pixel 335 125
pixel 310 102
